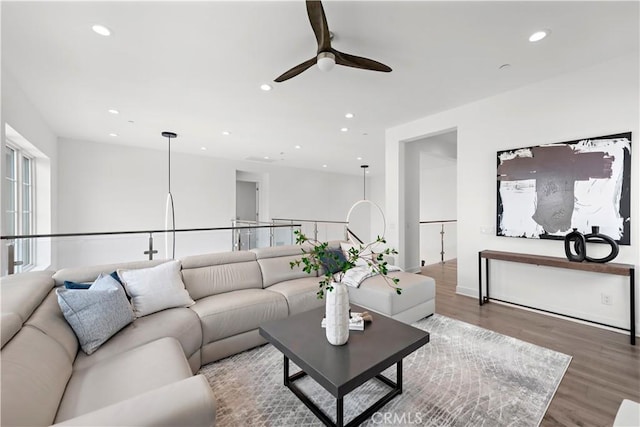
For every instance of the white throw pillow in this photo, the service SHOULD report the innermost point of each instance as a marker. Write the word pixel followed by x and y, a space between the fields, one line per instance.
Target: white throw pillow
pixel 156 288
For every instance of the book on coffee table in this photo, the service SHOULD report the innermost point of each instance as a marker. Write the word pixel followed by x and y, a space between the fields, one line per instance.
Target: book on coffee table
pixel 356 322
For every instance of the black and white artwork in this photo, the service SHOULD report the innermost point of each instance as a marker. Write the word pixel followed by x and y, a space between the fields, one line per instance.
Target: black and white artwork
pixel 547 190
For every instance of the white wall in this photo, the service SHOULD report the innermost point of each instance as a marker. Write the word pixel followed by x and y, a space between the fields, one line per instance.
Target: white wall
pixel 438 202
pixel 18 112
pixel 105 187
pixel 595 101
pixel 411 243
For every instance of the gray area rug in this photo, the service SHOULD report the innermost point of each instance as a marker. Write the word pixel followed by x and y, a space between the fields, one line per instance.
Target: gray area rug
pixel 466 376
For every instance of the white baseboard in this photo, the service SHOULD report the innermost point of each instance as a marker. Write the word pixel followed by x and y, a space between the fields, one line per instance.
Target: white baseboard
pixel 412 269
pixel 469 292
pixel 473 292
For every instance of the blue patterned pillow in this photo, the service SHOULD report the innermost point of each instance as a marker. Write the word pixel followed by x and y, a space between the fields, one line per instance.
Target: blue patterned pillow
pixel 76 285
pixel 96 314
pixel 333 261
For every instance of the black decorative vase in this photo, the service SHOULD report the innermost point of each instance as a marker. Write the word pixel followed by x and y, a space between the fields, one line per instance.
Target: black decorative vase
pixel 579 245
pixel 595 236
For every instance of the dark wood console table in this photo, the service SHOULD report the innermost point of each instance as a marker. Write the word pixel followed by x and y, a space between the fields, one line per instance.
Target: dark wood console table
pixel 606 268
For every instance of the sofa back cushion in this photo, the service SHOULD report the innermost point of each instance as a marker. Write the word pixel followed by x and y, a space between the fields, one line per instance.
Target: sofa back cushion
pixel 49 320
pixel 216 273
pixel 35 371
pixel 90 274
pixel 275 264
pixel 11 324
pixel 23 293
pixel 20 295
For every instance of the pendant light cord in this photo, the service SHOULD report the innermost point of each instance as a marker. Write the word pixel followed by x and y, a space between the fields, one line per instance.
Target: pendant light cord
pixel 169 135
pixel 173 212
pixel 364 181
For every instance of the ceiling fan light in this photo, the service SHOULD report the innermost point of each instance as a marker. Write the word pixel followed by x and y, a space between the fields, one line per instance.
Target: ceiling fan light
pixel 326 61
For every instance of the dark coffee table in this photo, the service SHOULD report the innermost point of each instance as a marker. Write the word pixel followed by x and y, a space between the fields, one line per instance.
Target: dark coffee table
pixel 341 369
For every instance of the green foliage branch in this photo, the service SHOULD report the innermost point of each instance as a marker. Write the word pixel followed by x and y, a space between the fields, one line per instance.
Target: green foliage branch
pixel 314 258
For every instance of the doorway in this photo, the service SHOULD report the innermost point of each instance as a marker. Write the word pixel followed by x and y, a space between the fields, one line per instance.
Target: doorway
pixel 431 200
pixel 247 214
pixel 247 201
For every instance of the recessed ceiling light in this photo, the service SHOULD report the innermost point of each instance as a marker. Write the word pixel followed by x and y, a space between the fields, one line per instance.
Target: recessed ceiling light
pixel 226 132
pixel 358 158
pixel 113 134
pixel 203 148
pixel 266 157
pixel 102 30
pixel 344 129
pixel 349 115
pixel 538 35
pixel 297 147
pixel 324 166
pixel 266 87
pixel 112 111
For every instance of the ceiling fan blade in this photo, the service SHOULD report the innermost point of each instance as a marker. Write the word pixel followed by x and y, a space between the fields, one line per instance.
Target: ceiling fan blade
pixel 359 62
pixel 319 24
pixel 296 70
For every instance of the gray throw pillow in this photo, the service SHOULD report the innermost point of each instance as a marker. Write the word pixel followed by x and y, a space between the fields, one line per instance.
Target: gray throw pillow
pixel 97 313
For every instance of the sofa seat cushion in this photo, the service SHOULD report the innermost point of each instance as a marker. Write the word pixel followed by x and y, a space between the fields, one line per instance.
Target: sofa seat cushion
pixel 376 294
pixel 124 376
pixel 189 402
pixel 35 371
pixel 233 313
pixel 300 294
pixel 180 323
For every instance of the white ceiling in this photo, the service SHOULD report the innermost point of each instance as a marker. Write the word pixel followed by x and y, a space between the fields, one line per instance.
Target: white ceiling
pixel 195 68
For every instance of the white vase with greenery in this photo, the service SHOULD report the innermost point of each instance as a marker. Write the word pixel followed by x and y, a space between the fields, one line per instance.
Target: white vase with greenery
pixel 337 314
pixel 315 259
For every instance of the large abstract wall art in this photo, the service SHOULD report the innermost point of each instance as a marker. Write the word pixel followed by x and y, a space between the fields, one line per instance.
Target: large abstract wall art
pixel 546 190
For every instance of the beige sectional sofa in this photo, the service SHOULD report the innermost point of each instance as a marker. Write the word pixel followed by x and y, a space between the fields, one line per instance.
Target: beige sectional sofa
pixel 144 375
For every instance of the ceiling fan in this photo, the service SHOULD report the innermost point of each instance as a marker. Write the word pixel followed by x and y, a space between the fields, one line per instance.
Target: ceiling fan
pixel 327 56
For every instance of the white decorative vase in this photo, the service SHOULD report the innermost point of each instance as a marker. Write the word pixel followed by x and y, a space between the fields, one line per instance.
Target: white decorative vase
pixel 337 314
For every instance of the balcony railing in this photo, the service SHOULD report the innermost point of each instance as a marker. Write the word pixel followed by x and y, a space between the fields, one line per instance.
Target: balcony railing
pixel 257 234
pixel 430 242
pixel 77 249
pixel 317 229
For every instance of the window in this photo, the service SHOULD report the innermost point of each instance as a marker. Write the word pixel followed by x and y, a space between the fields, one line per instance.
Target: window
pixel 19 204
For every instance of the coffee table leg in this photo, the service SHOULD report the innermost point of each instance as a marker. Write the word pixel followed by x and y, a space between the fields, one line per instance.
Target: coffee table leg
pixel 286 370
pixel 396 389
pixel 339 412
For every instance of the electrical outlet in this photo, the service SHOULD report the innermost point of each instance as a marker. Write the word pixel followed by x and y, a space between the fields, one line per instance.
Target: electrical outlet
pixel 606 299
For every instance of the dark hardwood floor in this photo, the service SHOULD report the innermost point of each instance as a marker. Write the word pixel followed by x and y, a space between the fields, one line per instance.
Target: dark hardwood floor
pixel 604 370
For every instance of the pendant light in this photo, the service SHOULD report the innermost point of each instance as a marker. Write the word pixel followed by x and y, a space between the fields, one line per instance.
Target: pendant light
pixel 365 202
pixel 169 213
pixel 364 181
